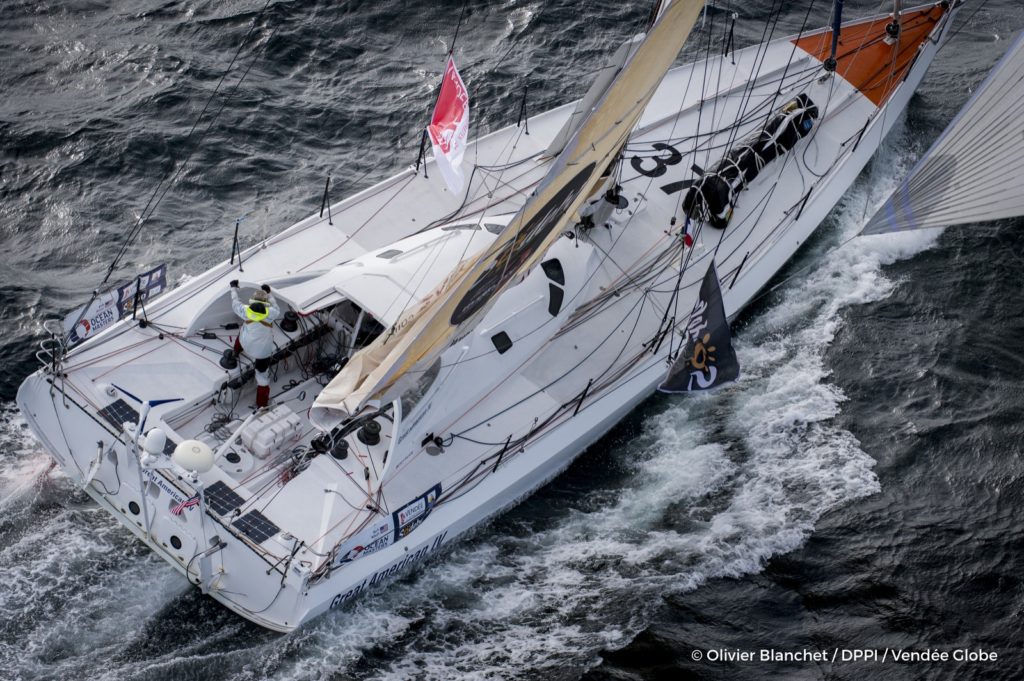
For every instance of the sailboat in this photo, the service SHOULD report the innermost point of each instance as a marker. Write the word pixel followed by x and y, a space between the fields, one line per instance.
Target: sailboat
pixel 443 353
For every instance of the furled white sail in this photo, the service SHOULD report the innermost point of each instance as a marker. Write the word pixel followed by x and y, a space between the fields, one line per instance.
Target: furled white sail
pixel 973 172
pixel 417 339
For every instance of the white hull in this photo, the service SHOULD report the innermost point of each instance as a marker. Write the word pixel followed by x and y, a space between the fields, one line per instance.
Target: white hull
pixel 269 583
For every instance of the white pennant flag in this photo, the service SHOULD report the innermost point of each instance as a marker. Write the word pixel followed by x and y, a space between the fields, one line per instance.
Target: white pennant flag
pixel 449 127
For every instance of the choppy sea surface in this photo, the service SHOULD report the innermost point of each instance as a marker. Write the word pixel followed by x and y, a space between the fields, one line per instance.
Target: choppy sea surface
pixel 861 488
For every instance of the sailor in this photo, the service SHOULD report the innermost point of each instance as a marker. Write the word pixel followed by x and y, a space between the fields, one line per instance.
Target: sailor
pixel 257 336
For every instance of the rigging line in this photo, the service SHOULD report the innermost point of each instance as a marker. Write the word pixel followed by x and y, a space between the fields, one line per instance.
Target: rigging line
pixel 541 428
pixel 963 25
pixel 814 132
pixel 349 237
pixel 150 205
pixel 644 264
pixel 700 113
pixel 604 303
pixel 569 323
pixel 525 398
pixel 647 277
pixel 582 289
pixel 803 77
pixel 785 162
pixel 789 62
pixel 511 145
pixel 885 109
pixel 501 60
pixel 183 164
pixel 703 88
pixel 723 96
pixel 168 178
pixel 719 95
pixel 558 378
pixel 68 368
pixel 354 184
pixel 513 164
pixel 767 39
pixel 709 66
pixel 625 273
pixel 458 25
pixel 673 301
pixel 676 295
pixel 465 209
pixel 675 123
pixel 760 55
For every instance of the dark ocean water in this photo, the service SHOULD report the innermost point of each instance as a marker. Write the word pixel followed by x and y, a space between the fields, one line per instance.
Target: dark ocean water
pixel 862 487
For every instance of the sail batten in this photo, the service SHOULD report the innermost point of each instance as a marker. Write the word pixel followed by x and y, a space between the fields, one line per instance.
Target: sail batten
pixel 453 310
pixel 972 172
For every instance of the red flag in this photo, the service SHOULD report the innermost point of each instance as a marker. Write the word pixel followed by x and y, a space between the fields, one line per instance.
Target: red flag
pixel 449 127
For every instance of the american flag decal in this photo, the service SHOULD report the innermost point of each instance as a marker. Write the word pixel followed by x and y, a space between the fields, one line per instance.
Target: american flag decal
pixel 178 509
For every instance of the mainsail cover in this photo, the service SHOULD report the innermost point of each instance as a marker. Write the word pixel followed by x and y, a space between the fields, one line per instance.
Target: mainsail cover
pixel 451 312
pixel 973 172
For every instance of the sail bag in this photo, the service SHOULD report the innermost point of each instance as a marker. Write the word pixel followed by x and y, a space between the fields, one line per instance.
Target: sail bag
pixel 712 197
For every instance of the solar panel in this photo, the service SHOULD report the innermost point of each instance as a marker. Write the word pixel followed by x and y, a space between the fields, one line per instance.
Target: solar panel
pixel 118 413
pixel 221 499
pixel 256 526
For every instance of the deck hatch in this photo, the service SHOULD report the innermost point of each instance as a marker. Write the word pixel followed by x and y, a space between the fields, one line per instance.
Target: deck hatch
pixel 222 499
pixel 256 526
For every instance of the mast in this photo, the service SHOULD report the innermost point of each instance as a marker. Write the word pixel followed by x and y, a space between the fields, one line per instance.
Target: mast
pixel 837 24
pixel 894 28
pixel 418 339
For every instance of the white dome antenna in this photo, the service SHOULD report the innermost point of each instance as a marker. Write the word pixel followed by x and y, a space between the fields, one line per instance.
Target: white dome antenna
pixel 193 455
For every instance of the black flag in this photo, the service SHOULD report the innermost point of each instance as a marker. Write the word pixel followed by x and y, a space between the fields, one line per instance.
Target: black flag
pixel 707 360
